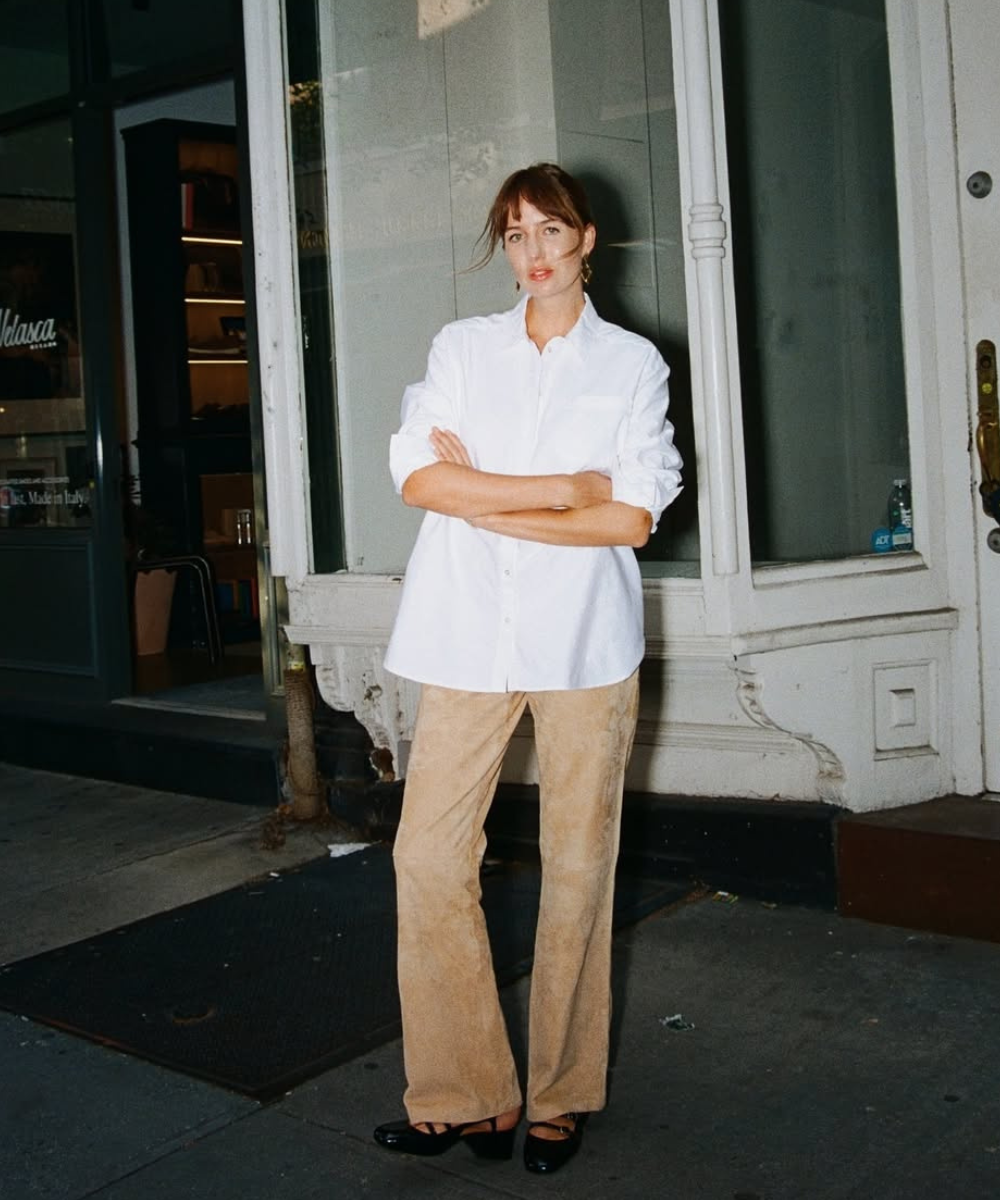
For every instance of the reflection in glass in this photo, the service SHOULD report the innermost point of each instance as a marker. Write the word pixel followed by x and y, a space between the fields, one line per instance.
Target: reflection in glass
pixel 34 52
pixel 44 471
pixel 812 181
pixel 423 110
pixel 161 32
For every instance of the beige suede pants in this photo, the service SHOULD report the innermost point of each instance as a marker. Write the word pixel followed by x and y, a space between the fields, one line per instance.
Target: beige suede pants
pixel 457 1055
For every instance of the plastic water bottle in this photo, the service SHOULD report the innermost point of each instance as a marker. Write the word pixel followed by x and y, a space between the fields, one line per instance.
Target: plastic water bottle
pixel 901 515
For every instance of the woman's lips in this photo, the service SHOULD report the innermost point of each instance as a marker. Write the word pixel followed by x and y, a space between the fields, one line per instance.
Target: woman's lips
pixel 538 276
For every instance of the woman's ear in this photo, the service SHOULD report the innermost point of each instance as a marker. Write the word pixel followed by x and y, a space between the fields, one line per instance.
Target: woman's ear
pixel 589 238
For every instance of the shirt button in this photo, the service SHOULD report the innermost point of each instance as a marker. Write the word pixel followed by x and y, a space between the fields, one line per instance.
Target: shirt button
pixel 506 620
pixel 507 573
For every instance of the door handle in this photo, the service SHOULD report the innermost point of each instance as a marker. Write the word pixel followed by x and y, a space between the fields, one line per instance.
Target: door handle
pixel 988 428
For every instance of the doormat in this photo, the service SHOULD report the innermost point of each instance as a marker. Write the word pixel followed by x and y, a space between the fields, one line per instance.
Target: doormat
pixel 270 983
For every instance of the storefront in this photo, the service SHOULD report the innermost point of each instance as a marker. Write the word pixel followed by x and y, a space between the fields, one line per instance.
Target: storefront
pixel 129 434
pixel 794 202
pixel 789 206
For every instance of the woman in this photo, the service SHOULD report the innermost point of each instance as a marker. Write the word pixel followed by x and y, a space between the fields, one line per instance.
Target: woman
pixel 539 447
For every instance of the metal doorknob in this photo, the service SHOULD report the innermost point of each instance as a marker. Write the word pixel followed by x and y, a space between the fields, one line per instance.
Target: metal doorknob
pixel 980 184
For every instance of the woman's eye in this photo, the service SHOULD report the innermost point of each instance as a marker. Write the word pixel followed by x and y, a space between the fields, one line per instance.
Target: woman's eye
pixel 552 229
pixel 513 237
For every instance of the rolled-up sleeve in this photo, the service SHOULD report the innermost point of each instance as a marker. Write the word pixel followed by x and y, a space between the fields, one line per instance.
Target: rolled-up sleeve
pixel 647 473
pixel 425 405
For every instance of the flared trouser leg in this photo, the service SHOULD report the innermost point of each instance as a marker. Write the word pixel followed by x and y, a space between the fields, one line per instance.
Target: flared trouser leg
pixel 456 1050
pixel 583 739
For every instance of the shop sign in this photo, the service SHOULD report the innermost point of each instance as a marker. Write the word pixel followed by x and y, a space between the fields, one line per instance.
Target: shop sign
pixel 38 338
pixel 44 471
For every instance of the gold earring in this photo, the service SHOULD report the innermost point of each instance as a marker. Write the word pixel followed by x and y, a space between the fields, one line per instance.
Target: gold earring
pixel 586 270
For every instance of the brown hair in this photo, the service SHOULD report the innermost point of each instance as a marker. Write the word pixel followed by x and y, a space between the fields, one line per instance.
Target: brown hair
pixel 549 188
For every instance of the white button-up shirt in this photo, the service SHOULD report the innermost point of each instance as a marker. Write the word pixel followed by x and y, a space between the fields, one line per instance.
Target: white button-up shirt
pixel 489 613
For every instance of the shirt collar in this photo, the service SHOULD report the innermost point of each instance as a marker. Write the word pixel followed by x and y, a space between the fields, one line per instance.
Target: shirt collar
pixel 579 338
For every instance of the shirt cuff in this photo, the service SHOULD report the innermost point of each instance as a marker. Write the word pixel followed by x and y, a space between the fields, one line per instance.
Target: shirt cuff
pixel 408 453
pixel 645 487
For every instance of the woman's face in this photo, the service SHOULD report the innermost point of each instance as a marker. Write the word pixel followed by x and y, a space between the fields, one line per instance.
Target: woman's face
pixel 544 253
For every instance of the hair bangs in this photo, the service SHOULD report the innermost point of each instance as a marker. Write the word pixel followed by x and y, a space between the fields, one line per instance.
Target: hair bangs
pixel 546 187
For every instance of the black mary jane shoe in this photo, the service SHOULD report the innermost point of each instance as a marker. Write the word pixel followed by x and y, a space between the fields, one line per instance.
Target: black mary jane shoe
pixel 441 1136
pixel 545 1155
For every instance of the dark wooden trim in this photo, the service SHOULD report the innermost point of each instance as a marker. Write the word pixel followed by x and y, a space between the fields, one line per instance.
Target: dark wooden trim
pixel 932 866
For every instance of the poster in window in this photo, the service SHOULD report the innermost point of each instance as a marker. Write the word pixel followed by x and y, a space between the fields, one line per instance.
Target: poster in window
pixel 44 467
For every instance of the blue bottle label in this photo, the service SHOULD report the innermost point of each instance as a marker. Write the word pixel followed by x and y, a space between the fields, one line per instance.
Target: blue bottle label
pixel 881 540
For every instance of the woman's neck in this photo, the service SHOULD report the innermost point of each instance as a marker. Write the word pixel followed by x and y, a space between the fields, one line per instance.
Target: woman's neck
pixel 555 319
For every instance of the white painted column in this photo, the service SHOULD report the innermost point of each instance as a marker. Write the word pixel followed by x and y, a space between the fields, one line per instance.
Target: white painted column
pixel 277 293
pixel 707 234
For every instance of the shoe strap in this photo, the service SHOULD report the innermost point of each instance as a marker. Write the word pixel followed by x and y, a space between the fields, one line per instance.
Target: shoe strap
pixel 432 1129
pixel 568 1130
pixel 491 1121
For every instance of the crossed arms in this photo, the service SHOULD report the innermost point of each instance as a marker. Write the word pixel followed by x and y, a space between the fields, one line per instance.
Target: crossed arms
pixel 560 510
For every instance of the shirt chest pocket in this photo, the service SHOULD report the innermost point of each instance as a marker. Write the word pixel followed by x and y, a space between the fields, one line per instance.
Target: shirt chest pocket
pixel 582 433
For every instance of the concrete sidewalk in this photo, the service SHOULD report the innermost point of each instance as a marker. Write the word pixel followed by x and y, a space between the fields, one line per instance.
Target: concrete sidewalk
pixel 815 1059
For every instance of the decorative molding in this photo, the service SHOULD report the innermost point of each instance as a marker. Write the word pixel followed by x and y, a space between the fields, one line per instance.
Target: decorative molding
pixel 676 650
pixel 940 620
pixel 905 707
pixel 681 650
pixel 324 637
pixel 739 739
pixel 830 775
pixel 352 679
pixel 707 231
pixel 359 610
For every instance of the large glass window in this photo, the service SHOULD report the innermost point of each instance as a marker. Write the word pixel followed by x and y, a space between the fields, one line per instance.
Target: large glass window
pixel 810 143
pixel 422 109
pixel 34 52
pixel 153 33
pixel 44 469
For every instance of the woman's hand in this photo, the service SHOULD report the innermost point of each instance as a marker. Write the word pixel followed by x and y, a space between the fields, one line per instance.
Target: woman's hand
pixel 449 447
pixel 589 488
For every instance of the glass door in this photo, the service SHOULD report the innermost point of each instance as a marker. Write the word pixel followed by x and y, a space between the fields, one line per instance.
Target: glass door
pixel 195 486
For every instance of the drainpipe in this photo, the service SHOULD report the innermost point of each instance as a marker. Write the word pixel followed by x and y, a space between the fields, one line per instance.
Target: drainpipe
pixel 305 790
